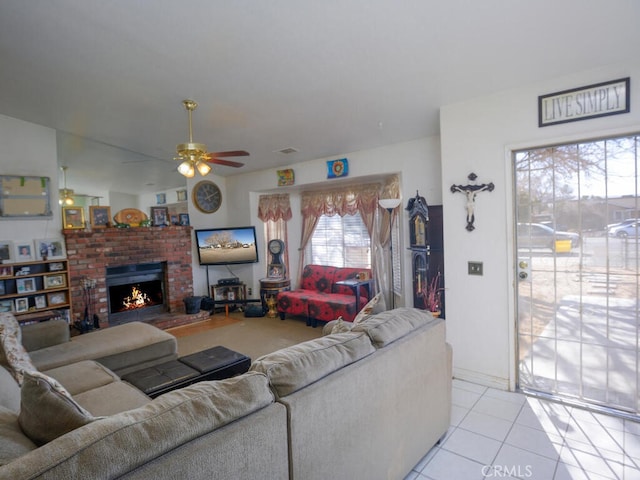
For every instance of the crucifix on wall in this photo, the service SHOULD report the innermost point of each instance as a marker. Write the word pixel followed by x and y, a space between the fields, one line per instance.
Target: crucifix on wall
pixel 471 191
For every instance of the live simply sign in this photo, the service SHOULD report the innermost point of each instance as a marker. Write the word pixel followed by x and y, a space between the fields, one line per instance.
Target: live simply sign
pixel 599 100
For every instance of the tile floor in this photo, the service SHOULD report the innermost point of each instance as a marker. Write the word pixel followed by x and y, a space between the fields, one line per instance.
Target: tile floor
pixel 504 435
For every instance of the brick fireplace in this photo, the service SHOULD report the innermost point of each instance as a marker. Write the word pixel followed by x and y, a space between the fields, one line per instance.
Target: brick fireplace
pixel 90 253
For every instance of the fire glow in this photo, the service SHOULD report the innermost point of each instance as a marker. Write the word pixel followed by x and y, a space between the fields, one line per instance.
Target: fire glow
pixel 137 299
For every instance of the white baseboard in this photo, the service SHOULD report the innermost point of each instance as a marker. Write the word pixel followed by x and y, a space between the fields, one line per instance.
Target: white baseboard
pixel 481 379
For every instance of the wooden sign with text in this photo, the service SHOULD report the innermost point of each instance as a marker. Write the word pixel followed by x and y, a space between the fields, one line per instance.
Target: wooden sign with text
pixel 599 100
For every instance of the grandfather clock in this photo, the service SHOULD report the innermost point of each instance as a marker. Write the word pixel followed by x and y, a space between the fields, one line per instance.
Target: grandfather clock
pixel 419 246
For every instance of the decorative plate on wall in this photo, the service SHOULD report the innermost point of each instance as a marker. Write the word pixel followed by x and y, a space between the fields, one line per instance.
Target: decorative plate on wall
pixel 130 216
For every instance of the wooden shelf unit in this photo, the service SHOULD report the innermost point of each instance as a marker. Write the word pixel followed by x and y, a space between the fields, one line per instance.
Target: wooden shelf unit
pixel 36 291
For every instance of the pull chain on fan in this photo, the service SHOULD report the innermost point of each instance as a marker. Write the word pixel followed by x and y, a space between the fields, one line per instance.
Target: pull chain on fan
pixel 194 156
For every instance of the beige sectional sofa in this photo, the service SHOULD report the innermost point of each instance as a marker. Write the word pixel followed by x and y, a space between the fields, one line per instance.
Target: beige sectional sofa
pixel 361 404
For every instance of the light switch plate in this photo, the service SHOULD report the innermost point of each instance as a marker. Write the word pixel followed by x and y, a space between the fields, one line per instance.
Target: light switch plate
pixel 475 268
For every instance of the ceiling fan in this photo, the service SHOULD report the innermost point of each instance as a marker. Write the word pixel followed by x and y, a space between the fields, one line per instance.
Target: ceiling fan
pixel 194 156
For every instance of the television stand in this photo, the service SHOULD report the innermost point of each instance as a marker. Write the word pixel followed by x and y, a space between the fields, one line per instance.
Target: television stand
pixel 225 294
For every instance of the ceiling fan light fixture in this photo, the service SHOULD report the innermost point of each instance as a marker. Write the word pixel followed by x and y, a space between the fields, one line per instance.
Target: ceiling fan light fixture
pixel 203 167
pixel 186 169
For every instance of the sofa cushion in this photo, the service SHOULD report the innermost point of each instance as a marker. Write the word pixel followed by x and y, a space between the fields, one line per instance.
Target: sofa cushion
pixel 387 327
pixel 14 353
pixel 295 367
pixel 13 442
pixel 9 390
pixel 122 348
pixel 112 398
pixel 47 410
pixel 44 334
pixel 318 278
pixel 82 376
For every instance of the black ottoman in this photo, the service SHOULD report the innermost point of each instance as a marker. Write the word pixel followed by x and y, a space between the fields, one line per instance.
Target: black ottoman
pixel 159 379
pixel 217 363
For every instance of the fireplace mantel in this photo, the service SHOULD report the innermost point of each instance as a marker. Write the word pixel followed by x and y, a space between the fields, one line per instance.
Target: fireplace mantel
pixel 91 252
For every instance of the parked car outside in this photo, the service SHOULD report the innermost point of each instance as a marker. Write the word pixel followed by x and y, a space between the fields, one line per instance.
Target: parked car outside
pixel 625 231
pixel 536 235
pixel 613 228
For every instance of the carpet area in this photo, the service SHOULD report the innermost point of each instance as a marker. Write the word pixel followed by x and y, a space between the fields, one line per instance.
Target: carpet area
pixel 253 337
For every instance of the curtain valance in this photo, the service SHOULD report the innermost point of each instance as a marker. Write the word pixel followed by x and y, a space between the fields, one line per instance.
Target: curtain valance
pixel 274 207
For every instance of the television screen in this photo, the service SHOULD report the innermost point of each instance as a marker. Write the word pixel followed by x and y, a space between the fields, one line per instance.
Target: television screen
pixel 227 246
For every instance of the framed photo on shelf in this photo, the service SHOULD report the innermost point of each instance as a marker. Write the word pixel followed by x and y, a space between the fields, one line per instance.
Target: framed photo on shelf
pixel 275 271
pixel 41 301
pixel 6 271
pixel 6 306
pixel 56 266
pixel 99 216
pixel 25 285
pixel 56 298
pixel 160 216
pixel 24 251
pixel 184 219
pixel 6 251
pixel 231 295
pixel 54 281
pixel 22 305
pixel 72 217
pixel 49 248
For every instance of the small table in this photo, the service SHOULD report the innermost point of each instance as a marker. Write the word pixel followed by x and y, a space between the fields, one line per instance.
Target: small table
pixel 273 286
pixel 354 284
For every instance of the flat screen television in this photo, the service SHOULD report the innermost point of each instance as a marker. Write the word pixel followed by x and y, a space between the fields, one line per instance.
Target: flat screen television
pixel 227 246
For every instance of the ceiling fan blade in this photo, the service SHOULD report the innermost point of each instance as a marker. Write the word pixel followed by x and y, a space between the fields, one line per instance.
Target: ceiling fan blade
pixel 228 163
pixel 232 153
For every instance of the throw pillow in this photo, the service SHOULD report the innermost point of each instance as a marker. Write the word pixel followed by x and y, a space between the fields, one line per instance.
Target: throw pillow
pixel 15 355
pixel 47 411
pixel 341 326
pixel 374 306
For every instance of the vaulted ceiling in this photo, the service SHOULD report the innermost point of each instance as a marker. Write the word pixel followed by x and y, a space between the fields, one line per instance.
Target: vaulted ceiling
pixel 324 77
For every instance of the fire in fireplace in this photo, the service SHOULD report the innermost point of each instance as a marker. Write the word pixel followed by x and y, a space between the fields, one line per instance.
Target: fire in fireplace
pixel 135 292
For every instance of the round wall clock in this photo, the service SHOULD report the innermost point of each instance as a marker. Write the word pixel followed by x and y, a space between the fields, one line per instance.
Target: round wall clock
pixel 206 196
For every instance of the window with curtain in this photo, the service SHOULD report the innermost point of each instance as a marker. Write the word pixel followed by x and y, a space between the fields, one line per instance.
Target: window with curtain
pixel 340 241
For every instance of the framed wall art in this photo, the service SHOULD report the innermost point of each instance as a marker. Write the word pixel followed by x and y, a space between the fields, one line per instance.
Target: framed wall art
pixel 6 271
pixel 24 196
pixel 49 248
pixel 72 217
pixel 99 216
pixel 181 195
pixel 337 168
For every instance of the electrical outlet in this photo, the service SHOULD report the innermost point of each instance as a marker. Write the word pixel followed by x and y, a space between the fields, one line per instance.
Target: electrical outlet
pixel 249 291
pixel 475 268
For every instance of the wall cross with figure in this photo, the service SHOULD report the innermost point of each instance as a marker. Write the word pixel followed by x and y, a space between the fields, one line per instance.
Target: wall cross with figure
pixel 471 191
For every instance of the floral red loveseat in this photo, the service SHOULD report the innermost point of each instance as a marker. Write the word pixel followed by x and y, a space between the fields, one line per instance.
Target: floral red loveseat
pixel 319 298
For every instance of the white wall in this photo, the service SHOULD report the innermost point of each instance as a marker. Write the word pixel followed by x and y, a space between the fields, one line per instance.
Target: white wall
pixel 477 136
pixel 29 149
